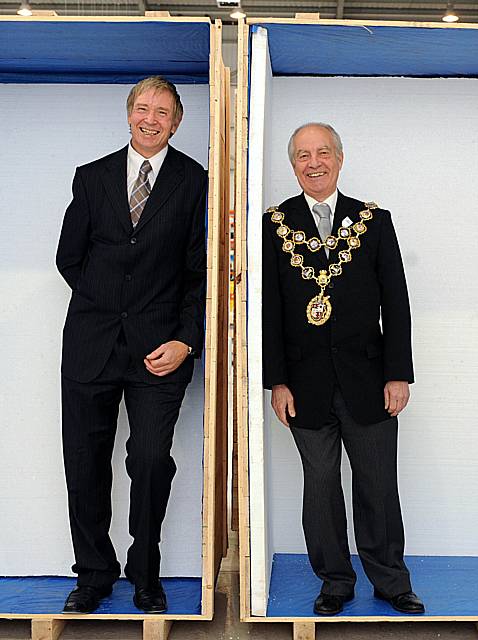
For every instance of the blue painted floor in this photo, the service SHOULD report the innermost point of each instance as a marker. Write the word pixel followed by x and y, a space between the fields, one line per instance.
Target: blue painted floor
pixel 47 594
pixel 448 585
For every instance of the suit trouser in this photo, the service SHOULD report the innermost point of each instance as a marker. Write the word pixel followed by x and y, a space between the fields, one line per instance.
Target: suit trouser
pixel 372 451
pixel 90 413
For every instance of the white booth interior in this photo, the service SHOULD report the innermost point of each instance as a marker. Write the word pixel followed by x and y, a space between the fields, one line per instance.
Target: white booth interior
pixel 411 145
pixel 48 130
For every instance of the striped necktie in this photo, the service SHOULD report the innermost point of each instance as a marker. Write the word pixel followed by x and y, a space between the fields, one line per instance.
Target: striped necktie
pixel 140 193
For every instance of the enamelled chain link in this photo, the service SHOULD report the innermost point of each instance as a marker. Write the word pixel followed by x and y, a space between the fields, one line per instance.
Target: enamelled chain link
pixel 320 307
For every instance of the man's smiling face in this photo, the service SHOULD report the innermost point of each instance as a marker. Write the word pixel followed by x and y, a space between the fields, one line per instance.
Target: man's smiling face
pixel 152 121
pixel 317 163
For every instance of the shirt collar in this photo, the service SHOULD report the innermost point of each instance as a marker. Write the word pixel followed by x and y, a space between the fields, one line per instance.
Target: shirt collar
pixel 135 159
pixel 331 201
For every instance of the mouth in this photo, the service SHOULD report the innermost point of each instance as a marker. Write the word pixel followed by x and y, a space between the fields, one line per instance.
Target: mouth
pixel 316 174
pixel 148 132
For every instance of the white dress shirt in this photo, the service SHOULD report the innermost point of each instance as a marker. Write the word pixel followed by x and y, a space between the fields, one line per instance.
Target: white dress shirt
pixel 331 201
pixel 134 162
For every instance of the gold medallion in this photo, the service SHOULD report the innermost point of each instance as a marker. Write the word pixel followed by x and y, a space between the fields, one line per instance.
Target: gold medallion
pixel 319 310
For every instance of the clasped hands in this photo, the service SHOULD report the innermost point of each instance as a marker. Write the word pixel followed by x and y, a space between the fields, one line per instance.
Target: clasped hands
pixel 396 395
pixel 166 358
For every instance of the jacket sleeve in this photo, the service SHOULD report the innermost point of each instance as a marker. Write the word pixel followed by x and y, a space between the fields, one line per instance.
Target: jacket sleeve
pixel 273 352
pixel 74 237
pixel 395 306
pixel 193 303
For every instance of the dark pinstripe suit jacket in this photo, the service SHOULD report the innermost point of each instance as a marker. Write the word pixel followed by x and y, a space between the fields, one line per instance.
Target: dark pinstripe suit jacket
pixel 150 280
pixel 351 347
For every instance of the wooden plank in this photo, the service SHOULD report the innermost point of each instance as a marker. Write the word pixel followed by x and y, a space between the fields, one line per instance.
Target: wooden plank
pixel 157 14
pixel 303 630
pixel 241 316
pixel 211 558
pixel 47 629
pixel 366 23
pixel 44 617
pixel 102 19
pixel 341 619
pixel 223 378
pixel 94 616
pixel 307 16
pixel 156 628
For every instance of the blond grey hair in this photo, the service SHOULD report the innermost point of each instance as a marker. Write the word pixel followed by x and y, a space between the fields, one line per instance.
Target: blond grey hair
pixel 158 84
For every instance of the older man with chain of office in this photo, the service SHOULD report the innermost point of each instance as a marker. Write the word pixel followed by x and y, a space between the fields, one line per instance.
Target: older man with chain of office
pixel 337 356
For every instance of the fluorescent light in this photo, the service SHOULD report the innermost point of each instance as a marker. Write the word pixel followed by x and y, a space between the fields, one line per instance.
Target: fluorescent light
pixel 24 9
pixel 450 14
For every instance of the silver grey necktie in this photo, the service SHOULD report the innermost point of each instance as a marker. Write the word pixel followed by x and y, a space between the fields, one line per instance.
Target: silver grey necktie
pixel 324 226
pixel 140 193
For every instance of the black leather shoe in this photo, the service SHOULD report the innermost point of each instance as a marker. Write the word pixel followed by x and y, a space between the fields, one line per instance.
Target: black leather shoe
pixel 404 602
pixel 327 605
pixel 150 600
pixel 85 599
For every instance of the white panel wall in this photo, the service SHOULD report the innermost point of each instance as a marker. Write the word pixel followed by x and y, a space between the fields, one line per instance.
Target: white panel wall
pixel 259 447
pixel 47 130
pixel 412 146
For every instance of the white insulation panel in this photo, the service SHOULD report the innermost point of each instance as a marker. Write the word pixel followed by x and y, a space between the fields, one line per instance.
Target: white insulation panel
pixel 412 146
pixel 47 130
pixel 259 132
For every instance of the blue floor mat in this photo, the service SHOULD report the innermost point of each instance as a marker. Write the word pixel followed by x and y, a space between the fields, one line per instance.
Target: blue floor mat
pixel 447 584
pixel 47 594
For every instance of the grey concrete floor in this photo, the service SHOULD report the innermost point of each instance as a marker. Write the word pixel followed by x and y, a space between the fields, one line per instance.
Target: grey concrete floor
pixel 226 625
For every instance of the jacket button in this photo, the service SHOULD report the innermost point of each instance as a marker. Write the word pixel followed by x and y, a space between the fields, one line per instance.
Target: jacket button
pixel 128 277
pixel 133 240
pixel 124 315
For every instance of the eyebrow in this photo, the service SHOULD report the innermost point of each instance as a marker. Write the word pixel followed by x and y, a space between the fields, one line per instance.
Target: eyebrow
pixel 325 146
pixel 144 104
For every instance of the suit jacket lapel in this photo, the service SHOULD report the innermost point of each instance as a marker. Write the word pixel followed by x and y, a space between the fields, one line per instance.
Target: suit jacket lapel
pixel 115 182
pixel 343 209
pixel 168 179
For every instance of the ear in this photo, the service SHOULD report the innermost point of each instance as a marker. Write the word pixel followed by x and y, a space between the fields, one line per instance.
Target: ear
pixel 176 124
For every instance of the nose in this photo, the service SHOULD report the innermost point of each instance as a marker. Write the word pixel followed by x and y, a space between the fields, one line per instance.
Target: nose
pixel 316 159
pixel 150 117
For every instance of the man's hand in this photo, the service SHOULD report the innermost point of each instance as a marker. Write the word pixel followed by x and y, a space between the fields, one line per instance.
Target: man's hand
pixel 282 403
pixel 396 394
pixel 166 358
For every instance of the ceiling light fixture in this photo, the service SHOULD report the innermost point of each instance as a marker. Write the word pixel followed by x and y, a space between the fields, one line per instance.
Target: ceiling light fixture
pixel 24 9
pixel 450 14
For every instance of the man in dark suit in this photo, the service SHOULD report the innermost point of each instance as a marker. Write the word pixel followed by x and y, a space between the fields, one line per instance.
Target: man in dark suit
pixel 132 249
pixel 331 272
